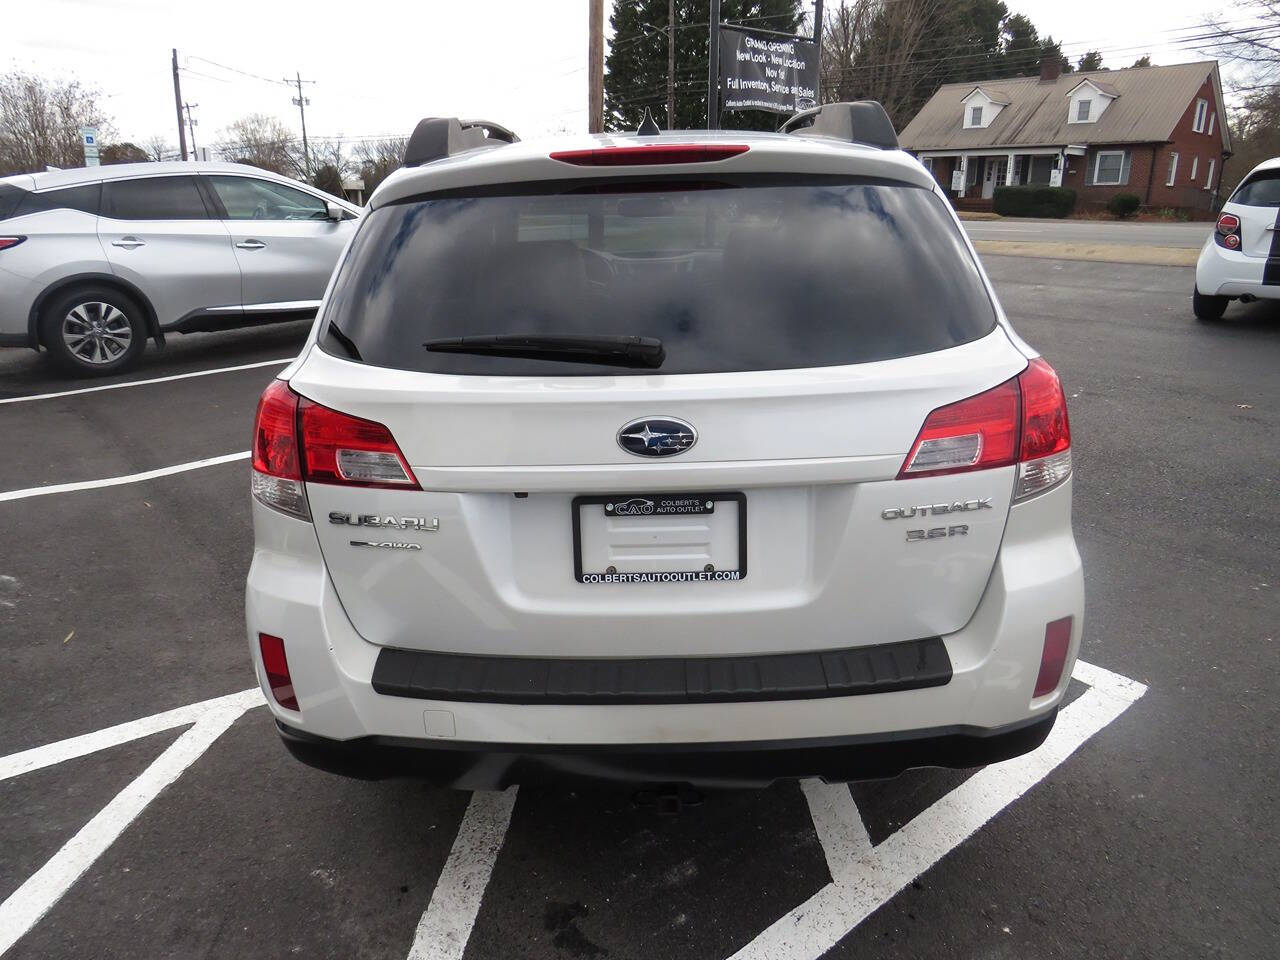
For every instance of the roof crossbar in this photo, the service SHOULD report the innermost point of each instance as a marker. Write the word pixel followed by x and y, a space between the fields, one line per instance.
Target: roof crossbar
pixel 437 137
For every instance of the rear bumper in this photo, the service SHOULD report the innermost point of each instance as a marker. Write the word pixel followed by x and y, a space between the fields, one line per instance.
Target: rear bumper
pixel 493 766
pixel 1229 273
pixel 971 718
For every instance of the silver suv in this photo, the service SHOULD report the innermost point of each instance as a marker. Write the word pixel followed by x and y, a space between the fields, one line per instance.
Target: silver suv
pixel 96 260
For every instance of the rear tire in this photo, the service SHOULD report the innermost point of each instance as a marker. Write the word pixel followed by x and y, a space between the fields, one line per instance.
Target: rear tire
pixel 93 331
pixel 1208 308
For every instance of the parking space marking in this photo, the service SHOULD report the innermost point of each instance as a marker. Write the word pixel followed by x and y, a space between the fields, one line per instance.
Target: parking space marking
pixel 861 886
pixel 140 383
pixel 117 481
pixel 839 826
pixel 446 924
pixel 31 901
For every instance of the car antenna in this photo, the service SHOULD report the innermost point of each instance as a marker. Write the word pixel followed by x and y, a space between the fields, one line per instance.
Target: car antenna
pixel 648 126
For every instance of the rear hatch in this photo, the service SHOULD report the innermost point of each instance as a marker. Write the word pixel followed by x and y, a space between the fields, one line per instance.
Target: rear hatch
pixel 578 496
pixel 1257 203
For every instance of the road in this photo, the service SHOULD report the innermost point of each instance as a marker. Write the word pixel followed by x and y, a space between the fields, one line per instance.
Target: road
pixel 1188 236
pixel 1150 834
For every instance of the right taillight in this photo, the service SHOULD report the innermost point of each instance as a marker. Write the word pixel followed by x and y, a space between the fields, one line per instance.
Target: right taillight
pixel 7 242
pixel 1022 421
pixel 1227 233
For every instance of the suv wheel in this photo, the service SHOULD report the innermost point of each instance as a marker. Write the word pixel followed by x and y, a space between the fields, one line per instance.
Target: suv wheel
pixel 1208 308
pixel 93 331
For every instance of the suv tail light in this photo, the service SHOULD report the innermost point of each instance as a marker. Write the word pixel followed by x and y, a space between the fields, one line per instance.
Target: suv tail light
pixel 639 156
pixel 7 242
pixel 297 440
pixel 1227 233
pixel 1022 421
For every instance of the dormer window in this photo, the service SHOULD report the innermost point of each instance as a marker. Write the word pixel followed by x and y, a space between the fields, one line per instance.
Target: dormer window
pixel 980 109
pixel 975 116
pixel 1082 110
pixel 1089 100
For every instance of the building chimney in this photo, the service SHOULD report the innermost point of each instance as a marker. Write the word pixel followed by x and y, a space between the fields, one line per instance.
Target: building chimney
pixel 1050 69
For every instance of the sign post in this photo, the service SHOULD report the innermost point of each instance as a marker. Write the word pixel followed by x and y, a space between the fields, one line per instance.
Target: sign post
pixel 89 138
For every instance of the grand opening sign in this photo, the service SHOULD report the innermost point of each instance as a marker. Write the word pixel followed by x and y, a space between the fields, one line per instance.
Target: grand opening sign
pixel 763 72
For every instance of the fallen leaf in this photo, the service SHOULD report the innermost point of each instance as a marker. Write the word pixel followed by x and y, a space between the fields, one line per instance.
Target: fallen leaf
pixel 1244 406
pixel 68 636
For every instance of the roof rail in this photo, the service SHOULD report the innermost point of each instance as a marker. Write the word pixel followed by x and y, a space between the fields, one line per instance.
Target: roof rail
pixel 861 121
pixel 437 137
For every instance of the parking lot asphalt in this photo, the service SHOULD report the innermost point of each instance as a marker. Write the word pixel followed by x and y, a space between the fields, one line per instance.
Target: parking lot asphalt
pixel 1150 834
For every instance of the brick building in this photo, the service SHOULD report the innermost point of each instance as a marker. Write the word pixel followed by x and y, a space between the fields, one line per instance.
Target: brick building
pixel 1158 132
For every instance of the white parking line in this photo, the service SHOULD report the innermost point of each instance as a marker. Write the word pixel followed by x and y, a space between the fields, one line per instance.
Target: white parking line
pixel 140 383
pixel 117 481
pixel 861 886
pixel 23 908
pixel 449 918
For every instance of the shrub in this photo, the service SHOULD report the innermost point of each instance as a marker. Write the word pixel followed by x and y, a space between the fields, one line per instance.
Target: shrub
pixel 1124 205
pixel 1034 201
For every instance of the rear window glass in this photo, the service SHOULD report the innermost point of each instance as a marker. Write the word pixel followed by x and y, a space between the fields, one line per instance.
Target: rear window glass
pixel 730 276
pixel 9 198
pixel 1260 190
pixel 154 198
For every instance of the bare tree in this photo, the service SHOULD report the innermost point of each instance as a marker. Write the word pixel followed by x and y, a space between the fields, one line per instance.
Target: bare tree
pixel 869 51
pixel 40 122
pixel 262 141
pixel 379 159
pixel 1255 46
pixel 158 148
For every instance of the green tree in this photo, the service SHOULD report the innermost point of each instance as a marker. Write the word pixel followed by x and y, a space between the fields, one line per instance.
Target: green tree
pixel 1143 61
pixel 1020 47
pixel 1050 50
pixel 122 153
pixel 1092 60
pixel 636 65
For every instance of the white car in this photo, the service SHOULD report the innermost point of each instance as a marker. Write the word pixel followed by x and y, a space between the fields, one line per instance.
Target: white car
pixel 701 457
pixel 1241 259
pixel 96 261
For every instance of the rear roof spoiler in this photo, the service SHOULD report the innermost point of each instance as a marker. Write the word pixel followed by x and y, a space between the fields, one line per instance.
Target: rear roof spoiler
pixel 437 137
pixel 860 121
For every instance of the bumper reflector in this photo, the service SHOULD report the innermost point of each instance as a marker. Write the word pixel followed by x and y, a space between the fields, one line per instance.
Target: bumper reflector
pixel 1057 641
pixel 277 670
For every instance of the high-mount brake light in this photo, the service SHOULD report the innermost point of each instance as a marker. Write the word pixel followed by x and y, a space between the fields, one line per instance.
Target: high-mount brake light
pixel 1022 421
pixel 656 154
pixel 7 242
pixel 277 474
pixel 341 449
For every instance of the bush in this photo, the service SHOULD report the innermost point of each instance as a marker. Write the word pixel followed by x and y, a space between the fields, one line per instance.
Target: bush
pixel 1124 205
pixel 1034 201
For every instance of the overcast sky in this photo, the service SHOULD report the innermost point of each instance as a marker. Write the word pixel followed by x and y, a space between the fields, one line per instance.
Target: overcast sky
pixel 379 67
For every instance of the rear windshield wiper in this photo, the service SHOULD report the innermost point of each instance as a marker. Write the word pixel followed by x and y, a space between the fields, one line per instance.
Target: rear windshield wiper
pixel 610 351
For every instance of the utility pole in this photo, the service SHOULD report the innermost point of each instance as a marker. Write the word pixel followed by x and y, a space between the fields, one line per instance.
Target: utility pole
pixel 713 69
pixel 195 153
pixel 177 102
pixel 817 37
pixel 671 64
pixel 302 103
pixel 595 68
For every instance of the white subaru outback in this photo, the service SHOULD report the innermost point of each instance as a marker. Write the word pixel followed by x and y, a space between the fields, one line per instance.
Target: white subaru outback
pixel 683 458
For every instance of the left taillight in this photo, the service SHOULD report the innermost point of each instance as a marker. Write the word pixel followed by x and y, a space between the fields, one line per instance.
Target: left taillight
pixel 277 473
pixel 7 242
pixel 297 440
pixel 1022 421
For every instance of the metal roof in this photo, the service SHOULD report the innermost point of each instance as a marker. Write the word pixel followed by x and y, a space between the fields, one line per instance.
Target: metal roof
pixel 1149 103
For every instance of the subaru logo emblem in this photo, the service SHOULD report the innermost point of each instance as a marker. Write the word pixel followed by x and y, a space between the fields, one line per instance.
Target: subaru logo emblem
pixel 657 437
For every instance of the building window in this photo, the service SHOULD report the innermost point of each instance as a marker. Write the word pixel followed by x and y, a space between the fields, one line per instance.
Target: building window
pixel 1195 167
pixel 1173 169
pixel 1213 118
pixel 1202 114
pixel 1208 181
pixel 975 117
pixel 928 163
pixel 1082 110
pixel 1108 168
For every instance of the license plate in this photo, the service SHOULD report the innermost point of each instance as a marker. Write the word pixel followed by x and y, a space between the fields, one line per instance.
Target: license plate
pixel 660 538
